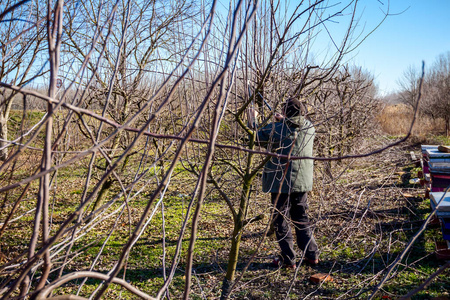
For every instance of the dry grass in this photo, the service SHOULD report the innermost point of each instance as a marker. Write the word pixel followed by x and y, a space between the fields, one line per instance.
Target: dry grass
pixel 396 120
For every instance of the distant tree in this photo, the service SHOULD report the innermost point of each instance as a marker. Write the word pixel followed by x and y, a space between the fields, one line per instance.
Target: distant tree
pixel 21 38
pixel 409 86
pixel 391 98
pixel 437 90
pixel 131 44
pixel 343 108
pixel 435 102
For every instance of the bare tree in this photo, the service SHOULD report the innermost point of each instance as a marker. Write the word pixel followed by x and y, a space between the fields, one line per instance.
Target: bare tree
pixel 437 90
pixel 21 35
pixel 342 108
pixel 120 75
pixel 151 88
pixel 409 86
pixel 275 66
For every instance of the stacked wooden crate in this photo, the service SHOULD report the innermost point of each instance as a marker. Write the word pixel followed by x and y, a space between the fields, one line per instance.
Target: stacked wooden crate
pixel 435 168
pixel 439 168
pixel 426 176
pixel 436 180
pixel 440 201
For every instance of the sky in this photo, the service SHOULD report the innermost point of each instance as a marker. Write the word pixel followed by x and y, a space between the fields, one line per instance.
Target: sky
pixel 415 31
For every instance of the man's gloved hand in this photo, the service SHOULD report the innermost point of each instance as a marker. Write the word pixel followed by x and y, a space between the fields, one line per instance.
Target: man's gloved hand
pixel 278 117
pixel 252 114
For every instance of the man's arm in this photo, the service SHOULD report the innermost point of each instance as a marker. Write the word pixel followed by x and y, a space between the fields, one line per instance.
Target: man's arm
pixel 268 134
pixel 252 117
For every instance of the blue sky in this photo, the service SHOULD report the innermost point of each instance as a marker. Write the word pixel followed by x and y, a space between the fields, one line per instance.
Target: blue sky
pixel 414 31
pixel 417 30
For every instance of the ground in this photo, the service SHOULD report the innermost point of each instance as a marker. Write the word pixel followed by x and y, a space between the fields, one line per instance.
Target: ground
pixel 365 212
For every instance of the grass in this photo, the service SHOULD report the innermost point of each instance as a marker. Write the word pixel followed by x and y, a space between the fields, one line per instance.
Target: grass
pixel 441 139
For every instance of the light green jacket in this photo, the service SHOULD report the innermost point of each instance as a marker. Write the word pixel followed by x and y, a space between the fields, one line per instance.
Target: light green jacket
pixel 296 133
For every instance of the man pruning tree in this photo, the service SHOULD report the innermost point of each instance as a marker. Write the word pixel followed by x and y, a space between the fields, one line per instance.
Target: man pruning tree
pixel 289 181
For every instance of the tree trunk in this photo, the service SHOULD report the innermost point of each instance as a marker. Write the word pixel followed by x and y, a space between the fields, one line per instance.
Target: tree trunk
pixel 232 259
pixel 102 193
pixel 3 138
pixel 236 241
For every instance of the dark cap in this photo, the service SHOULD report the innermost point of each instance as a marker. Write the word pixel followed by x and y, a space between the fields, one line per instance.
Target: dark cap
pixel 293 107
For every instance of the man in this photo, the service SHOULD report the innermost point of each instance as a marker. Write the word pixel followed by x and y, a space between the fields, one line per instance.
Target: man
pixel 289 181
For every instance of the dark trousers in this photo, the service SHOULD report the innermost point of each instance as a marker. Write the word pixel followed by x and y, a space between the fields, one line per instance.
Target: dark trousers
pixel 293 205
